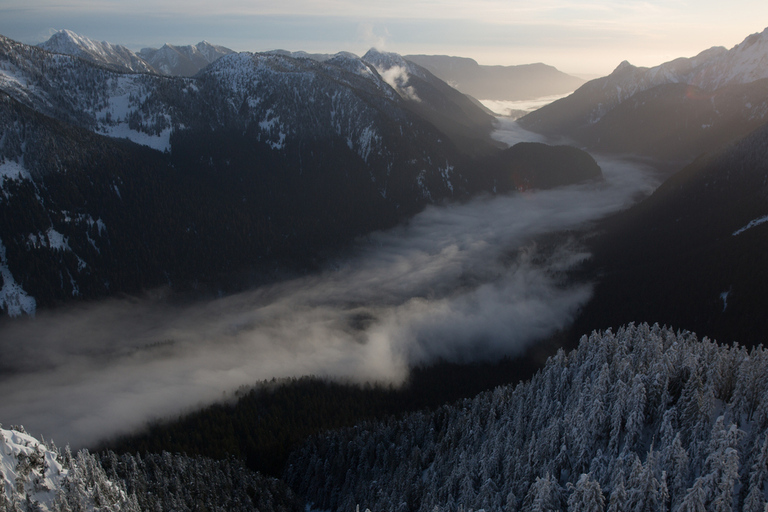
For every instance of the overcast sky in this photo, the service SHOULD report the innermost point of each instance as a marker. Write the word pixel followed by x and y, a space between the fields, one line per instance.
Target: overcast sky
pixel 576 36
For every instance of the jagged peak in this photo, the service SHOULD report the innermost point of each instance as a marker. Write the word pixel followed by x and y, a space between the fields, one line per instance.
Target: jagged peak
pixel 383 59
pixel 623 66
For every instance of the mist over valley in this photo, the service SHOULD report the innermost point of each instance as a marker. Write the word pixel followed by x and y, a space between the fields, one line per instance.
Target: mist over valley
pixel 227 253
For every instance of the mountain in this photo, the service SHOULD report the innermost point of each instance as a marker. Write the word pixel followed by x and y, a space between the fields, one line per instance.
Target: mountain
pixel 114 56
pixel 498 82
pixel 111 180
pixel 183 60
pixel 643 418
pixel 671 112
pixel 167 60
pixel 690 254
pixel 431 98
pixel 36 476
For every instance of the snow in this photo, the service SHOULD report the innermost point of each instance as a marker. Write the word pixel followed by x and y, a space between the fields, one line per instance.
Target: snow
pixel 14 171
pixel 45 472
pixel 161 142
pixel 724 298
pixel 12 296
pixel 119 108
pixel 446 173
pixel 367 139
pixel 56 240
pixel 752 224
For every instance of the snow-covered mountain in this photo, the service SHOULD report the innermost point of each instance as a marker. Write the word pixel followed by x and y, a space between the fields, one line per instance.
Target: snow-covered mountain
pixel 168 60
pixel 183 60
pixel 672 111
pixel 36 476
pixel 112 55
pixel 314 153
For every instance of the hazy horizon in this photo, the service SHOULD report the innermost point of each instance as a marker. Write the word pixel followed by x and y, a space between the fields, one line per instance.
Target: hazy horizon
pixel 581 39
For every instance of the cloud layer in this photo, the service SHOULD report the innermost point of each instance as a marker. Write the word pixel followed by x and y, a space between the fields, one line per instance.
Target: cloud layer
pixel 460 282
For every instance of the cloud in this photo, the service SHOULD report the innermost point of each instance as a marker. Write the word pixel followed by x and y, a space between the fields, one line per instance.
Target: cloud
pixel 397 77
pixel 366 34
pixel 462 282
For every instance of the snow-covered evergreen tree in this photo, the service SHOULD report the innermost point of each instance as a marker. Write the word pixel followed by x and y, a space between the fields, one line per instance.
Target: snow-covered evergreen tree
pixel 654 419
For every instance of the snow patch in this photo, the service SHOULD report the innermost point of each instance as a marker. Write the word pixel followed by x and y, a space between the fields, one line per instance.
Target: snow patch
pixel 161 142
pixel 56 240
pixel 446 173
pixel 724 298
pixel 27 462
pixel 14 171
pixel 12 296
pixel 367 139
pixel 752 224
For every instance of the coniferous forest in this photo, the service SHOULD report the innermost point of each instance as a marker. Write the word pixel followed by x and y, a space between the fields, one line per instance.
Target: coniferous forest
pixel 644 418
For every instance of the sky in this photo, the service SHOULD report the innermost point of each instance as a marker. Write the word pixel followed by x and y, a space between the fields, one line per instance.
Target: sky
pixel 583 37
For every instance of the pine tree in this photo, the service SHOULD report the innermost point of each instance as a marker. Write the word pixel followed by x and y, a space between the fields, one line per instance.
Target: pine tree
pixel 544 495
pixel 586 496
pixel 618 499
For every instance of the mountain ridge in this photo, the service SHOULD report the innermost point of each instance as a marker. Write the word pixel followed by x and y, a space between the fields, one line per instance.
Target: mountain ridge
pixel 313 154
pixel 685 99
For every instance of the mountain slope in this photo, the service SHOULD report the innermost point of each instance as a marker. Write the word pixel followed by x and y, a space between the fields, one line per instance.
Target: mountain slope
pixel 35 476
pixel 259 159
pixel 691 254
pixel 673 111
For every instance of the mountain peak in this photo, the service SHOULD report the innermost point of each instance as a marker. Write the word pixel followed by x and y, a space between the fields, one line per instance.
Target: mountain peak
pixel 623 66
pixel 384 60
pixel 114 56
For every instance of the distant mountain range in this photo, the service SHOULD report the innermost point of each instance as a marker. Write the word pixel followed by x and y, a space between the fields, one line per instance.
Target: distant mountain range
pixel 482 82
pixel 113 178
pixel 521 82
pixel 183 60
pixel 672 112
pixel 168 60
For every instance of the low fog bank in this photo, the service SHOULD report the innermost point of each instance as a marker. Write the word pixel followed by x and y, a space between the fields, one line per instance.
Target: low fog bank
pixel 518 108
pixel 461 282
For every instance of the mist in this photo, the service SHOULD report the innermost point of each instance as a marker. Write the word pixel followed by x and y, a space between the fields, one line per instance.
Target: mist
pixel 462 282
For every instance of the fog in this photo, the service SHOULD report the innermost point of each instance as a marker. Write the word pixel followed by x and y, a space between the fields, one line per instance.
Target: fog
pixel 518 108
pixel 461 282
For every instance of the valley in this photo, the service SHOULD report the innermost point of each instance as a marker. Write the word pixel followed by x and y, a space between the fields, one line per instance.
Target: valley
pixel 228 261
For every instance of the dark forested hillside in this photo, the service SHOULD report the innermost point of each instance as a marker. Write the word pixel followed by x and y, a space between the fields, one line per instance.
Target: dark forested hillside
pixel 264 424
pixel 691 254
pixel 640 419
